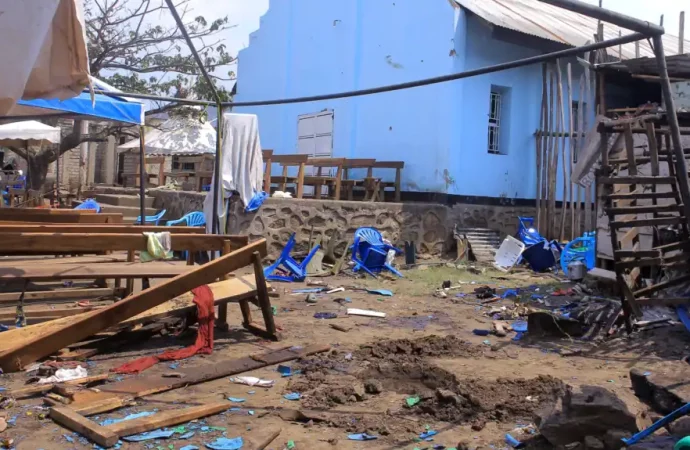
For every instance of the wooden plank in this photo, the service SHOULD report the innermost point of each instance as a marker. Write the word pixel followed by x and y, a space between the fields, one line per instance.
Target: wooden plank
pixel 43 388
pixel 153 269
pixel 90 323
pixel 96 228
pixel 627 239
pixel 630 149
pixel 64 312
pixel 663 285
pixel 122 392
pixel 646 222
pixel 651 262
pixel 48 211
pixel 641 195
pixel 100 242
pixel 68 418
pixel 101 218
pixel 637 180
pixel 669 301
pixel 166 418
pixel 636 254
pixel 11 298
pixel 617 210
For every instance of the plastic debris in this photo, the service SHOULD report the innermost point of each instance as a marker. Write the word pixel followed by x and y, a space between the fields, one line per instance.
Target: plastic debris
pixel 290 445
pixel 251 392
pixel 174 365
pixel 384 292
pixel 155 434
pixel 307 291
pixel 325 315
pixel 190 447
pixel 187 435
pixel 510 440
pixel 292 396
pixel 223 443
pixel 286 371
pixel 252 381
pixel 486 342
pixel 427 434
pixel 510 293
pixel 68 438
pixel 236 399
pixel 364 312
pixel 62 375
pixel 129 417
pixel 479 332
pixel 361 437
pixel 411 401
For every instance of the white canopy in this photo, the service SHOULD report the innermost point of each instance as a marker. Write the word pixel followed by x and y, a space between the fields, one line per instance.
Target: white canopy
pixel 30 132
pixel 42 50
pixel 178 136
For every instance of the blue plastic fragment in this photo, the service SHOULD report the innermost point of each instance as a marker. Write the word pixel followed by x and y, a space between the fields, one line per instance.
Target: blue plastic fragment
pixel 646 374
pixel 155 434
pixel 187 435
pixel 480 332
pixel 13 420
pixel 325 315
pixel 174 365
pixel 68 438
pixel 510 440
pixel 226 444
pixel 519 326
pixel 129 417
pixel 384 292
pixel 292 396
pixel 285 371
pixel 251 392
pixel 236 399
pixel 510 293
pixel 307 291
pixel 190 447
pixel 427 434
pixel 361 437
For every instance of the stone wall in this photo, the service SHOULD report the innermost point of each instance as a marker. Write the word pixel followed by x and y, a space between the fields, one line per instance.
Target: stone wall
pixel 429 225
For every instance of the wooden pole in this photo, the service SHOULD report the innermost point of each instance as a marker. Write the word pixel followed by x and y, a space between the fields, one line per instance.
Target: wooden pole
pixel 553 230
pixel 571 149
pixel 588 190
pixel 580 143
pixel 564 200
pixel 681 34
pixel 549 157
pixel 540 143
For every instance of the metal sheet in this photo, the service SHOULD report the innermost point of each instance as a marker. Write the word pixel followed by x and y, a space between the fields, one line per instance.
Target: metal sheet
pixel 555 24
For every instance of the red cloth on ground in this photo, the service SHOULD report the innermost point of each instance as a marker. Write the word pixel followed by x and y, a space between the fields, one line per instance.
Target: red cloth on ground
pixel 203 299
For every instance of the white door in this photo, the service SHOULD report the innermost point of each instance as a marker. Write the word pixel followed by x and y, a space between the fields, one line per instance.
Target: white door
pixel 315 138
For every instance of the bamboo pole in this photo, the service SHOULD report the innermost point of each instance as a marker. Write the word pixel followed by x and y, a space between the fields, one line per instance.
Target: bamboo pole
pixel 549 158
pixel 564 202
pixel 580 143
pixel 554 162
pixel 571 148
pixel 540 144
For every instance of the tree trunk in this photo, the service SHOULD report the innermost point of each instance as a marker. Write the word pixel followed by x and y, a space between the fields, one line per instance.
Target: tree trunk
pixel 38 170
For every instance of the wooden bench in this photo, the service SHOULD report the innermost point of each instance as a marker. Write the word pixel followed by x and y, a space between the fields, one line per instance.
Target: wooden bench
pixel 57 216
pixel 332 182
pixel 350 184
pixel 378 187
pixel 287 161
pixel 267 156
pixel 6 227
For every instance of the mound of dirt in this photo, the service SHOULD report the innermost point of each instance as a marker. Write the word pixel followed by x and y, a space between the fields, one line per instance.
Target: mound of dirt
pixel 418 349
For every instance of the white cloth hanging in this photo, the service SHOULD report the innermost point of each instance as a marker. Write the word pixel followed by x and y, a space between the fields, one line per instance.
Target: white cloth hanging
pixel 242 166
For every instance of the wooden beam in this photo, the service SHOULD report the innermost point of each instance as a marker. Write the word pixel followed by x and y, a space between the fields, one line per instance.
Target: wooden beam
pixel 166 418
pixel 64 312
pixel 68 418
pixel 90 323
pixel 123 392
pixel 66 295
pixel 95 228
pixel 44 272
pixel 99 242
pixel 101 218
pixel 647 222
pixel 637 180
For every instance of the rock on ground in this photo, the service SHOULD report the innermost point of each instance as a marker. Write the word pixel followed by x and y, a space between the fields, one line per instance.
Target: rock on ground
pixel 586 411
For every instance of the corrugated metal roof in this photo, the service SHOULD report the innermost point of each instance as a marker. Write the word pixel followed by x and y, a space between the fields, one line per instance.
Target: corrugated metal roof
pixel 556 24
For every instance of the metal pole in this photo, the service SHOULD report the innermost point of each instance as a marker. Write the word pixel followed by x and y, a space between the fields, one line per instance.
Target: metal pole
pixel 219 106
pixel 674 127
pixel 57 176
pixel 143 177
pixel 577 51
pixel 606 15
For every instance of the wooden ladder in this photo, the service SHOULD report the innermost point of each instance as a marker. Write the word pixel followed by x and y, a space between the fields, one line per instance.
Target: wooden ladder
pixel 622 197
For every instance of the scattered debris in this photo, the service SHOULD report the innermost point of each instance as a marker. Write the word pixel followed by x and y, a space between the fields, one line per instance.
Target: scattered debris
pixel 364 312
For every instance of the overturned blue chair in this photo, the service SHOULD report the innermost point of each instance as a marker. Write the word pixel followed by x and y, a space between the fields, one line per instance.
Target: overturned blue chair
pixel 152 220
pixel 296 271
pixel 369 252
pixel 192 219
pixel 89 203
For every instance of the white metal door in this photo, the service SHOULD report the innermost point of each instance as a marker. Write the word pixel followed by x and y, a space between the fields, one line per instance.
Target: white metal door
pixel 315 138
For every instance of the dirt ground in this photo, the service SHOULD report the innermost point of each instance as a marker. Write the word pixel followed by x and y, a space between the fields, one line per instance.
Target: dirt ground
pixel 470 389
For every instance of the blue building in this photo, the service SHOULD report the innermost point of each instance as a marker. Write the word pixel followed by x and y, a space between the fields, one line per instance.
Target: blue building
pixel 471 137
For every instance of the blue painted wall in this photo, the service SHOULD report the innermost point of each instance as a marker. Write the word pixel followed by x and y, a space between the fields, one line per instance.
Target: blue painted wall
pixel 311 47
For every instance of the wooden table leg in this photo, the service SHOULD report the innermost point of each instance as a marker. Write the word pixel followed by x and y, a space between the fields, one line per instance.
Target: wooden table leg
pixel 222 320
pixel 262 295
pixel 398 177
pixel 129 290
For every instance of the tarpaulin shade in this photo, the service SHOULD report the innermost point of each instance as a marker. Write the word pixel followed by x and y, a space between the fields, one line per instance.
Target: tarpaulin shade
pixel 30 132
pixel 178 136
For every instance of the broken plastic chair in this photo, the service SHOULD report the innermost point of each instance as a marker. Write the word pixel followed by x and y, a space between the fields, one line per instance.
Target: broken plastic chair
pixel 192 219
pixel 151 219
pixel 369 252
pixel 89 203
pixel 295 271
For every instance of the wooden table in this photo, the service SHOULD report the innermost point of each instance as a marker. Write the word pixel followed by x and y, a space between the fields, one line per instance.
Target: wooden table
pixel 287 161
pixel 349 184
pixel 319 180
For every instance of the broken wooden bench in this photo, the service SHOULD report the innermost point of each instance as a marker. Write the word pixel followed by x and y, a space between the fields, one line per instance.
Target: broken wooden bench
pixel 45 215
pixel 51 339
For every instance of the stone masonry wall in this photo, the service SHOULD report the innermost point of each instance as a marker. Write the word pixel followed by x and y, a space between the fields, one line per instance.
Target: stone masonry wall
pixel 429 225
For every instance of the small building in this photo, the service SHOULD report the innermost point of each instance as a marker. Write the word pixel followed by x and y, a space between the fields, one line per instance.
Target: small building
pixel 473 137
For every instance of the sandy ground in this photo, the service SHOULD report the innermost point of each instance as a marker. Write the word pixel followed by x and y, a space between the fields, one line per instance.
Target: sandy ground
pixel 510 378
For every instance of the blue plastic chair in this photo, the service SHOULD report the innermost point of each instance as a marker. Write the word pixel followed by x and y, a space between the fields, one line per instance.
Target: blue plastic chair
pixel 89 203
pixel 580 249
pixel 369 252
pixel 192 219
pixel 296 271
pixel 151 219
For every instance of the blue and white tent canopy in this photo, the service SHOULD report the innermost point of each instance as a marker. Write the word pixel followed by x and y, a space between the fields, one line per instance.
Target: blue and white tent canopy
pixel 103 107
